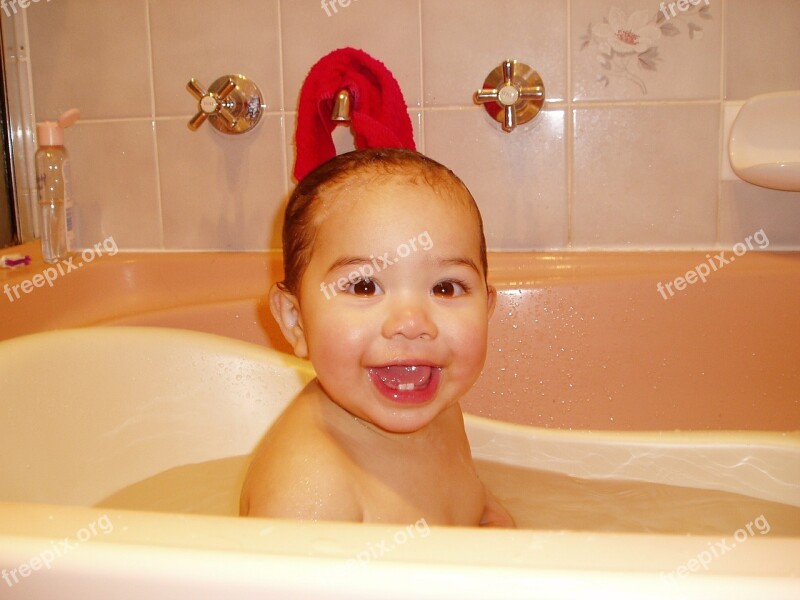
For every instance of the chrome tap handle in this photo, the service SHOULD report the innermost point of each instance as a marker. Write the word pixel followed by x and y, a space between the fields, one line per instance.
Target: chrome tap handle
pixel 508 95
pixel 233 104
pixel 197 90
pixel 211 103
pixel 512 94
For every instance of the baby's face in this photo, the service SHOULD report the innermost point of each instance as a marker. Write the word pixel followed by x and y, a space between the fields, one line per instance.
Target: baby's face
pixel 408 338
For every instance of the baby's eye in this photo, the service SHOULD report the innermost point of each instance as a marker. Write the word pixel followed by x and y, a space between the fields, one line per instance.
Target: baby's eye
pixel 450 288
pixel 364 287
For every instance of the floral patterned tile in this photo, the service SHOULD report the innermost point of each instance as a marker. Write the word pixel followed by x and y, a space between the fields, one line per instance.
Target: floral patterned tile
pixel 651 50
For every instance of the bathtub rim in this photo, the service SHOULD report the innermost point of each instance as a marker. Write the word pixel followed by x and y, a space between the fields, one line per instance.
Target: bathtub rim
pixel 683 459
pixel 781 439
pixel 157 549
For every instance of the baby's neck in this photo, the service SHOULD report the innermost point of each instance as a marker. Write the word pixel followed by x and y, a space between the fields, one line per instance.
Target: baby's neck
pixel 344 423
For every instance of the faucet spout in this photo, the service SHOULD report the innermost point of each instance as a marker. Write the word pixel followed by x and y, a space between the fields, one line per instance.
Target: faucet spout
pixel 341 106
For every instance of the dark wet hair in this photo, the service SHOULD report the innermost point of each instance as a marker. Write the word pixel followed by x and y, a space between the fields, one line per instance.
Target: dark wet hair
pixel 299 227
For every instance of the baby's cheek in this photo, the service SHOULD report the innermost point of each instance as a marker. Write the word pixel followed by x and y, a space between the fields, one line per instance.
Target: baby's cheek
pixel 470 349
pixel 335 345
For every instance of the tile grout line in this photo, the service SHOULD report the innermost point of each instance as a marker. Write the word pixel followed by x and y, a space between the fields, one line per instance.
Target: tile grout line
pixel 282 112
pixel 153 120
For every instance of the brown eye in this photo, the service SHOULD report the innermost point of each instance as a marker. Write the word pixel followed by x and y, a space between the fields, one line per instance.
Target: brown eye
pixel 364 287
pixel 449 289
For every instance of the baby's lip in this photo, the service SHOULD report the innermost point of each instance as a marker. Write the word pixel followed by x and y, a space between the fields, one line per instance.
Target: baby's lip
pixel 407 362
pixel 405 375
pixel 406 383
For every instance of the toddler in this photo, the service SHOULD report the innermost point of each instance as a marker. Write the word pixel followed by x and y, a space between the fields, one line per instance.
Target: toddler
pixel 385 291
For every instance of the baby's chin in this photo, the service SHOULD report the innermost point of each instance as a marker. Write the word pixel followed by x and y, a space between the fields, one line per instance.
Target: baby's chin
pixel 385 416
pixel 384 420
pixel 401 426
pixel 394 428
pixel 405 420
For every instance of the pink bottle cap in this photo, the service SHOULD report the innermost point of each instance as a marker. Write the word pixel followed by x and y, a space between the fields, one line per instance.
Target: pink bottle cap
pixel 51 133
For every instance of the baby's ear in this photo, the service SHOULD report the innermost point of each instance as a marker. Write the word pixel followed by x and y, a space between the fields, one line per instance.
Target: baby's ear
pixel 285 308
pixel 491 294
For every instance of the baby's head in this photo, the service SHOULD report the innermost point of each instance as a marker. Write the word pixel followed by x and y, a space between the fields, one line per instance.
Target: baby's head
pixel 307 207
pixel 385 286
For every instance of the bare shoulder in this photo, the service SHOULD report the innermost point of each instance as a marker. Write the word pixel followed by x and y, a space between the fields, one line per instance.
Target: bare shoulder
pixel 298 472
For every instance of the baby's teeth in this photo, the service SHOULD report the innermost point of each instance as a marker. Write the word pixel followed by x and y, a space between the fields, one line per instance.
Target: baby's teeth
pixel 405 386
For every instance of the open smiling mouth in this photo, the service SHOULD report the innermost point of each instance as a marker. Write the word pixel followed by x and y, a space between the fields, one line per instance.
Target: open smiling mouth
pixel 407 384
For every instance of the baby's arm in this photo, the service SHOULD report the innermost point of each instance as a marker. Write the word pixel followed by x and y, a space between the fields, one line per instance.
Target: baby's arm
pixel 307 482
pixel 306 500
pixel 494 513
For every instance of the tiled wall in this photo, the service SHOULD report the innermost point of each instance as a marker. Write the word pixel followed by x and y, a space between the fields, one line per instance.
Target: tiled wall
pixel 629 153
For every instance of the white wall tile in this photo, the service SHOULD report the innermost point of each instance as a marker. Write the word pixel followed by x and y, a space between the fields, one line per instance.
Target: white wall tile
pixel 638 168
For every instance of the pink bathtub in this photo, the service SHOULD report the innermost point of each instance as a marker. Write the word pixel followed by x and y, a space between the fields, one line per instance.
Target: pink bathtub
pixel 578 340
pixel 587 360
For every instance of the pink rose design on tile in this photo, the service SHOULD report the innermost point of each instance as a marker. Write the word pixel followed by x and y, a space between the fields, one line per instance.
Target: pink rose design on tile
pixel 627 46
pixel 625 35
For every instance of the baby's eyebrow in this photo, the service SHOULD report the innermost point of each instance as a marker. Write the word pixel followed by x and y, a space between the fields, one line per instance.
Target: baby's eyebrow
pixel 346 261
pixel 459 262
pixel 380 262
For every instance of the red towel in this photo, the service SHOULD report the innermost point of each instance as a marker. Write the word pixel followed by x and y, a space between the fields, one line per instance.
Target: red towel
pixel 378 112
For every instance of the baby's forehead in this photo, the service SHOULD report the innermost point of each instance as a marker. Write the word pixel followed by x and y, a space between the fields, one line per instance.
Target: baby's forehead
pixel 343 195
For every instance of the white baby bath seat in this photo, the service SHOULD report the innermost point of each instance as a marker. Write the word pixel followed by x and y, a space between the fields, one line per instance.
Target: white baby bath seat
pixel 124 403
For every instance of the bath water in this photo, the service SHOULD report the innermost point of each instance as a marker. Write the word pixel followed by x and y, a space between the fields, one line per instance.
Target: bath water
pixel 536 499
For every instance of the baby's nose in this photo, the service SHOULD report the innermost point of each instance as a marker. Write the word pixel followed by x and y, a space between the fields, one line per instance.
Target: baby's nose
pixel 410 319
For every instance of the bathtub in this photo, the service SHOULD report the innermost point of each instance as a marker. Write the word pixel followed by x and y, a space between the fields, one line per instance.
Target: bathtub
pixel 154 360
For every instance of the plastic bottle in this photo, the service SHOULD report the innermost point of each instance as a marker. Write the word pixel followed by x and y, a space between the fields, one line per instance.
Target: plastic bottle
pixel 53 186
